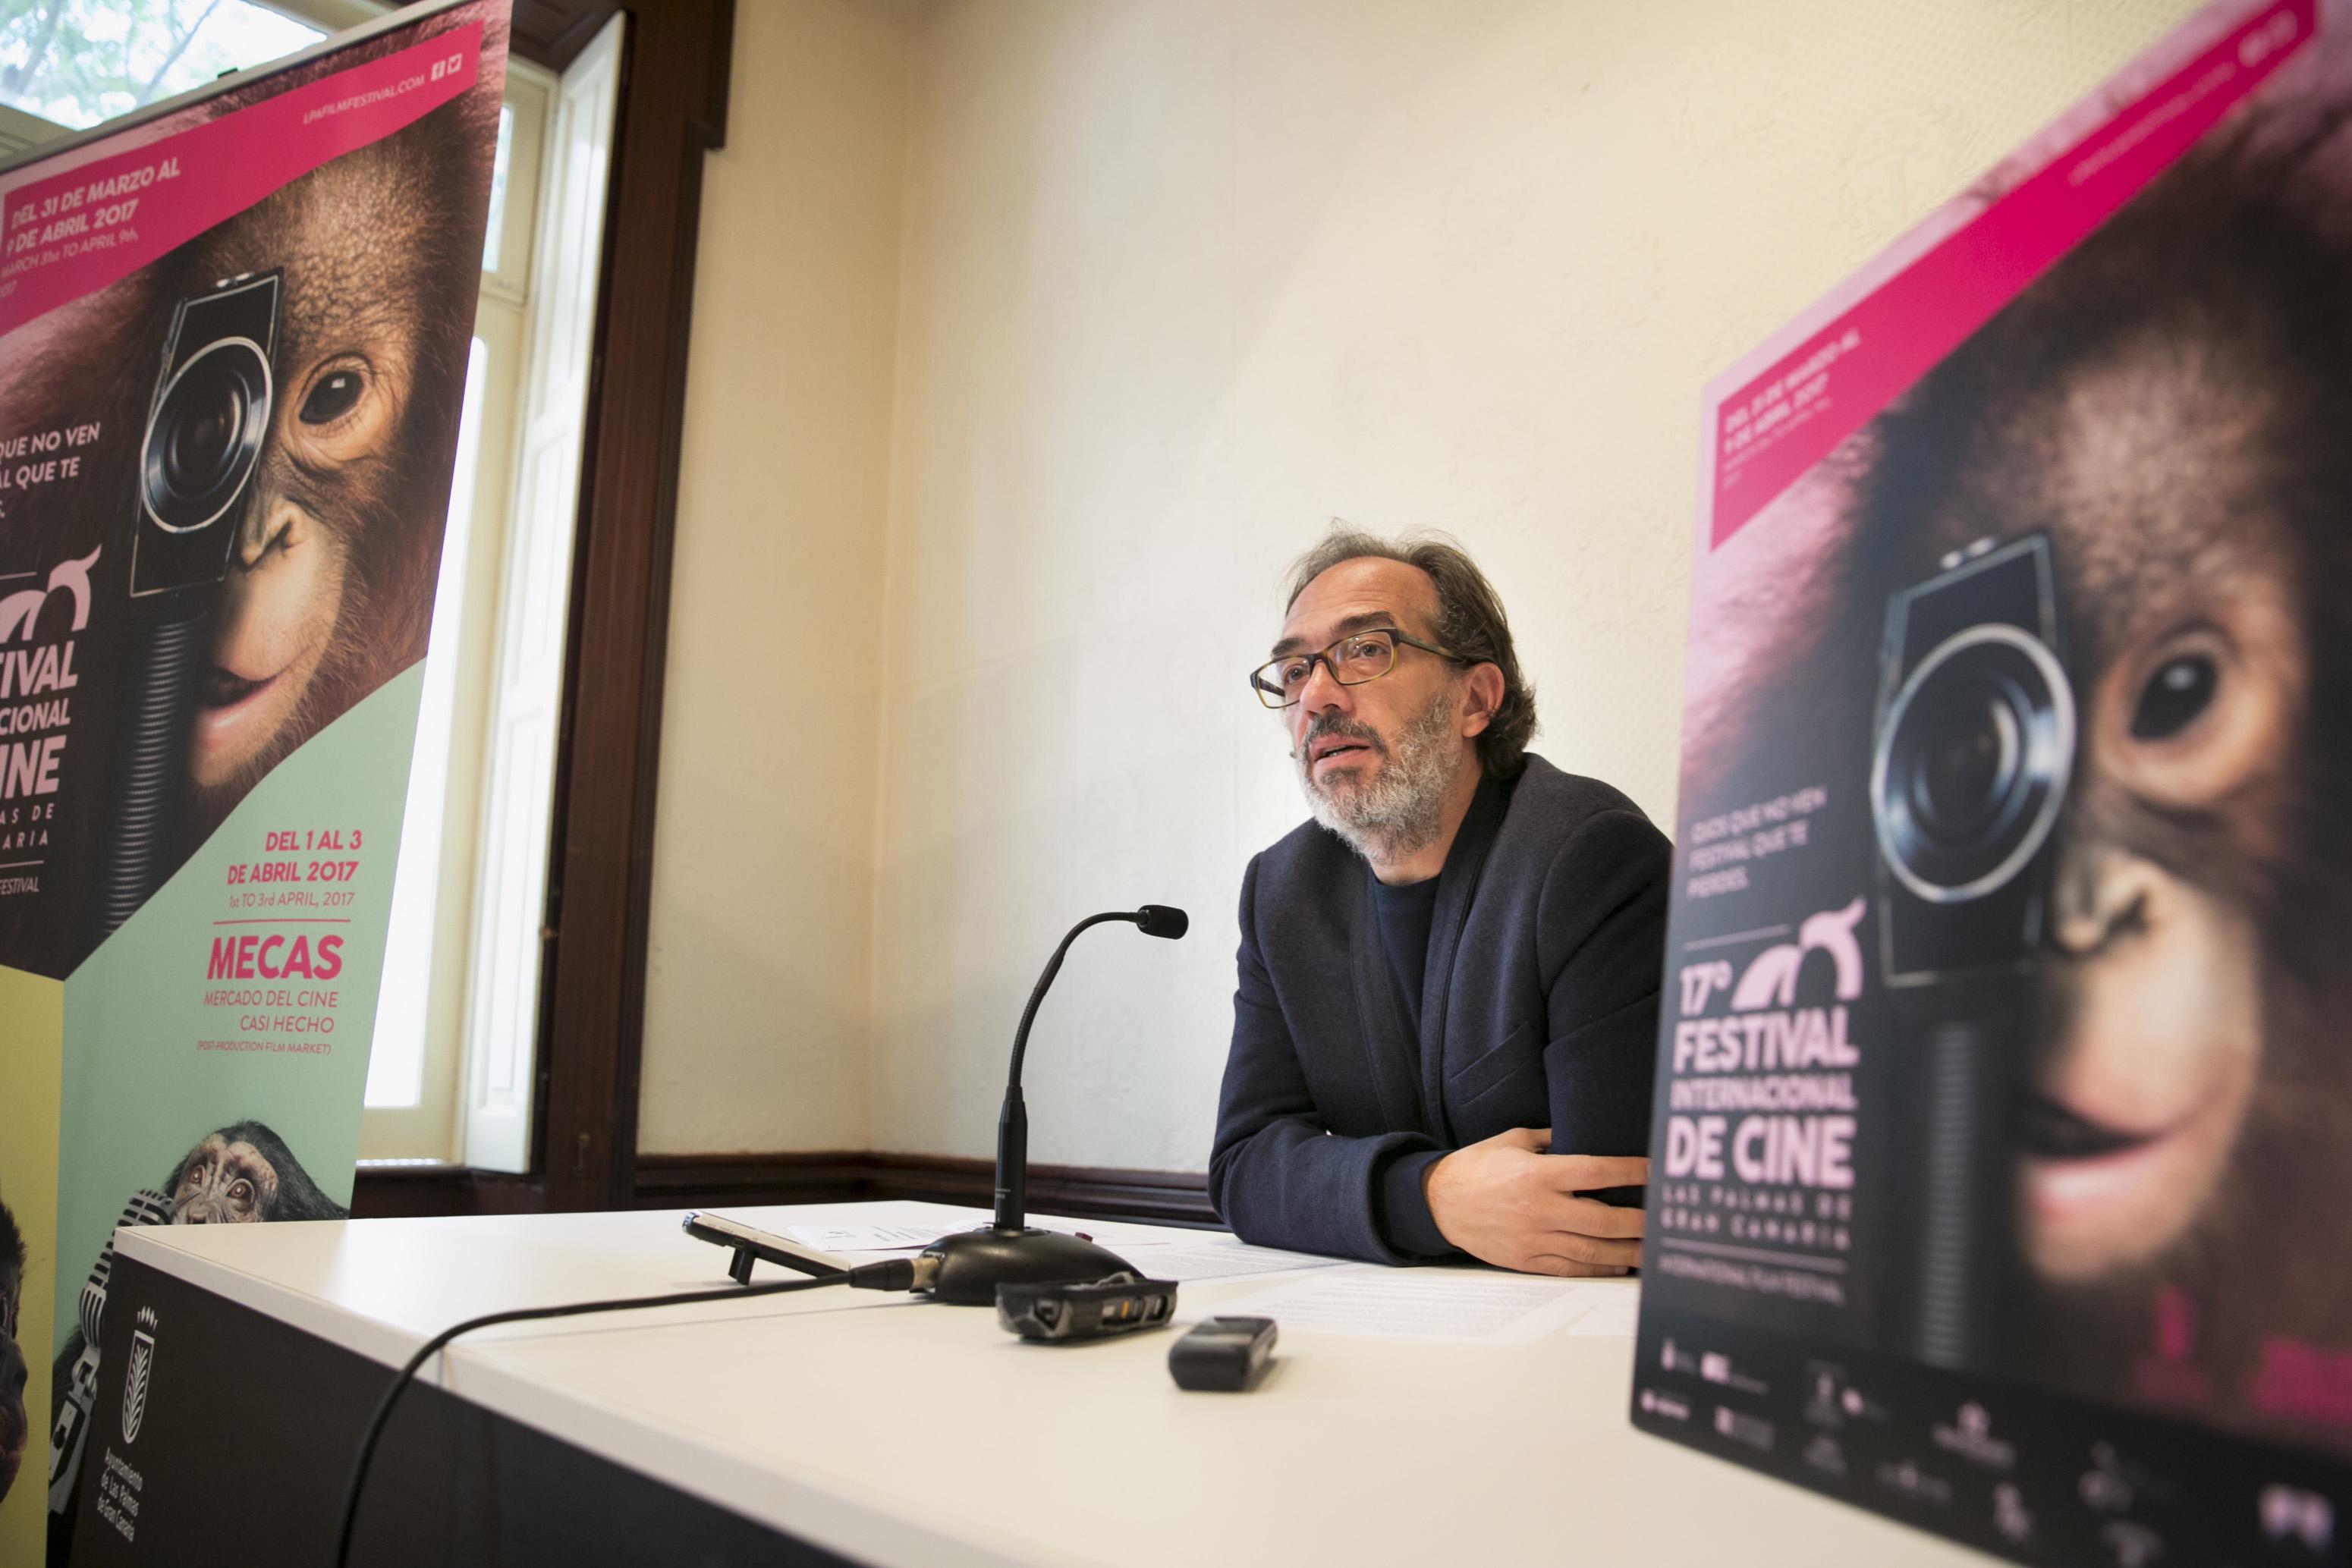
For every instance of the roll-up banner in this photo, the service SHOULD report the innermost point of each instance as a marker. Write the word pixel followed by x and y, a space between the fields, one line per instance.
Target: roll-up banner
pixel 2002 1163
pixel 233 334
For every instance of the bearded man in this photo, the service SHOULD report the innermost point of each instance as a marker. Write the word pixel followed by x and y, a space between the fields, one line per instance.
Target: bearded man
pixel 1446 1019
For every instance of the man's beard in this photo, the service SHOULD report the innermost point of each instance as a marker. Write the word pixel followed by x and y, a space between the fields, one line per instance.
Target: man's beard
pixel 1402 806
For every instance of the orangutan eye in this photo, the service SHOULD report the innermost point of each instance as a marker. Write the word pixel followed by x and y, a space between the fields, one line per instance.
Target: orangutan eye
pixel 332 396
pixel 2181 688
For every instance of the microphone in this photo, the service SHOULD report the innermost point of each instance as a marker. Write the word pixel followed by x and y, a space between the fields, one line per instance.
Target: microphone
pixel 1159 920
pixel 967 1267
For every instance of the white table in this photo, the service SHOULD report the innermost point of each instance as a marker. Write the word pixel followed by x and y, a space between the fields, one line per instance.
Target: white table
pixel 897 1432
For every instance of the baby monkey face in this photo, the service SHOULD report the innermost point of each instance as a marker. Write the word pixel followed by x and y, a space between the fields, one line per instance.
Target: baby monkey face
pixel 225 1183
pixel 329 584
pixel 292 572
pixel 2152 468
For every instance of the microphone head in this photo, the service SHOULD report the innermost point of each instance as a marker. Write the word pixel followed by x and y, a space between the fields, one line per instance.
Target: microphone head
pixel 1159 920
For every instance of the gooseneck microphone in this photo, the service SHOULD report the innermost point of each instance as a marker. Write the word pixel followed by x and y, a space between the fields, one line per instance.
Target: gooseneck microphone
pixel 1013 1125
pixel 967 1267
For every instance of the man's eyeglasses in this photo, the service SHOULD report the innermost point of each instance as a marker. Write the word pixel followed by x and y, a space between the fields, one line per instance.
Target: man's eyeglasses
pixel 1352 660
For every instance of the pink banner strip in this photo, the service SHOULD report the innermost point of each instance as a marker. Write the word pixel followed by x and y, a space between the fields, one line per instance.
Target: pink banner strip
pixel 79 231
pixel 1769 433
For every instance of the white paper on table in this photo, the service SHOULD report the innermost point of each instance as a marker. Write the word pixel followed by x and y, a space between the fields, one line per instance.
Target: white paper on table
pixel 1159 1258
pixel 867 1237
pixel 881 1238
pixel 1212 1258
pixel 1614 1315
pixel 1446 1304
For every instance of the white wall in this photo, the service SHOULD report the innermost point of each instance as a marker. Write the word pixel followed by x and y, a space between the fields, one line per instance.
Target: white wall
pixel 1175 284
pixel 757 978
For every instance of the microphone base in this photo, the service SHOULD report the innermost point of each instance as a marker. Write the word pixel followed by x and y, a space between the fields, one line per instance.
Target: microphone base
pixel 972 1263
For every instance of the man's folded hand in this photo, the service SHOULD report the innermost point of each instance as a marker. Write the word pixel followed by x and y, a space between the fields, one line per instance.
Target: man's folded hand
pixel 1508 1202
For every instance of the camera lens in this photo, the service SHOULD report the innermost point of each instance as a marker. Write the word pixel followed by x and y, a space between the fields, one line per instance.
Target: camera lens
pixel 1972 763
pixel 200 441
pixel 1965 770
pixel 206 436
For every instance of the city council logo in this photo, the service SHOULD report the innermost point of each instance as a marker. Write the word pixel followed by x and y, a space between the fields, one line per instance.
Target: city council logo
pixel 134 1385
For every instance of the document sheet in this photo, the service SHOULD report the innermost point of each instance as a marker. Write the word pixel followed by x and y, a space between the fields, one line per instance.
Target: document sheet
pixel 1184 1258
pixel 868 1237
pixel 1212 1257
pixel 1448 1304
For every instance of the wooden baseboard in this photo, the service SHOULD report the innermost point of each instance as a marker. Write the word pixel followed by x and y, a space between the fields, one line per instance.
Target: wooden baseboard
pixel 415 1192
pixel 688 1181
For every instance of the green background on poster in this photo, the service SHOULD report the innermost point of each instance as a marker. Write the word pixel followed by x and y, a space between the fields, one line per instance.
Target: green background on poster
pixel 139 1088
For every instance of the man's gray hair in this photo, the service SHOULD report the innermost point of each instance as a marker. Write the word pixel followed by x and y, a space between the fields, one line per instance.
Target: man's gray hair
pixel 1470 621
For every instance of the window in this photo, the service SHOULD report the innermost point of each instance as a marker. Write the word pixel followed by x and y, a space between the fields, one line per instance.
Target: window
pixel 77 62
pixel 451 1076
pixel 414 1061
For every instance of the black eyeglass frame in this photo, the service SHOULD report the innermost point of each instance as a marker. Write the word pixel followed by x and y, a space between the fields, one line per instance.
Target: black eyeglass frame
pixel 1267 693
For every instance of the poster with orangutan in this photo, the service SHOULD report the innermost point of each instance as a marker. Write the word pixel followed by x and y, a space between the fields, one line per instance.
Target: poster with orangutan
pixel 233 340
pixel 2002 1163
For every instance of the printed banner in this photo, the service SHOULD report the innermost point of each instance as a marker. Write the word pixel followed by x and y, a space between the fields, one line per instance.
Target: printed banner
pixel 2004 1127
pixel 232 350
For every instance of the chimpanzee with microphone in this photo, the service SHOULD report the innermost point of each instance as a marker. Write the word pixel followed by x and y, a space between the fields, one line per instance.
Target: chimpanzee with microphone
pixel 242 1174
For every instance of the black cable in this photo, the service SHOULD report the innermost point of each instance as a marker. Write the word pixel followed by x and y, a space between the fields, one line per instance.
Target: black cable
pixel 895 1274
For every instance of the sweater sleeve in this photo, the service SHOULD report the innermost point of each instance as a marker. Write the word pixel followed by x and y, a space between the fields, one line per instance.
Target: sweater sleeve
pixel 1404 1219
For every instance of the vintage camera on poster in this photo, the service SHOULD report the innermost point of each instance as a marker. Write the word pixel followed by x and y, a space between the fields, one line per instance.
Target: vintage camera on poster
pixel 1975 747
pixel 203 437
